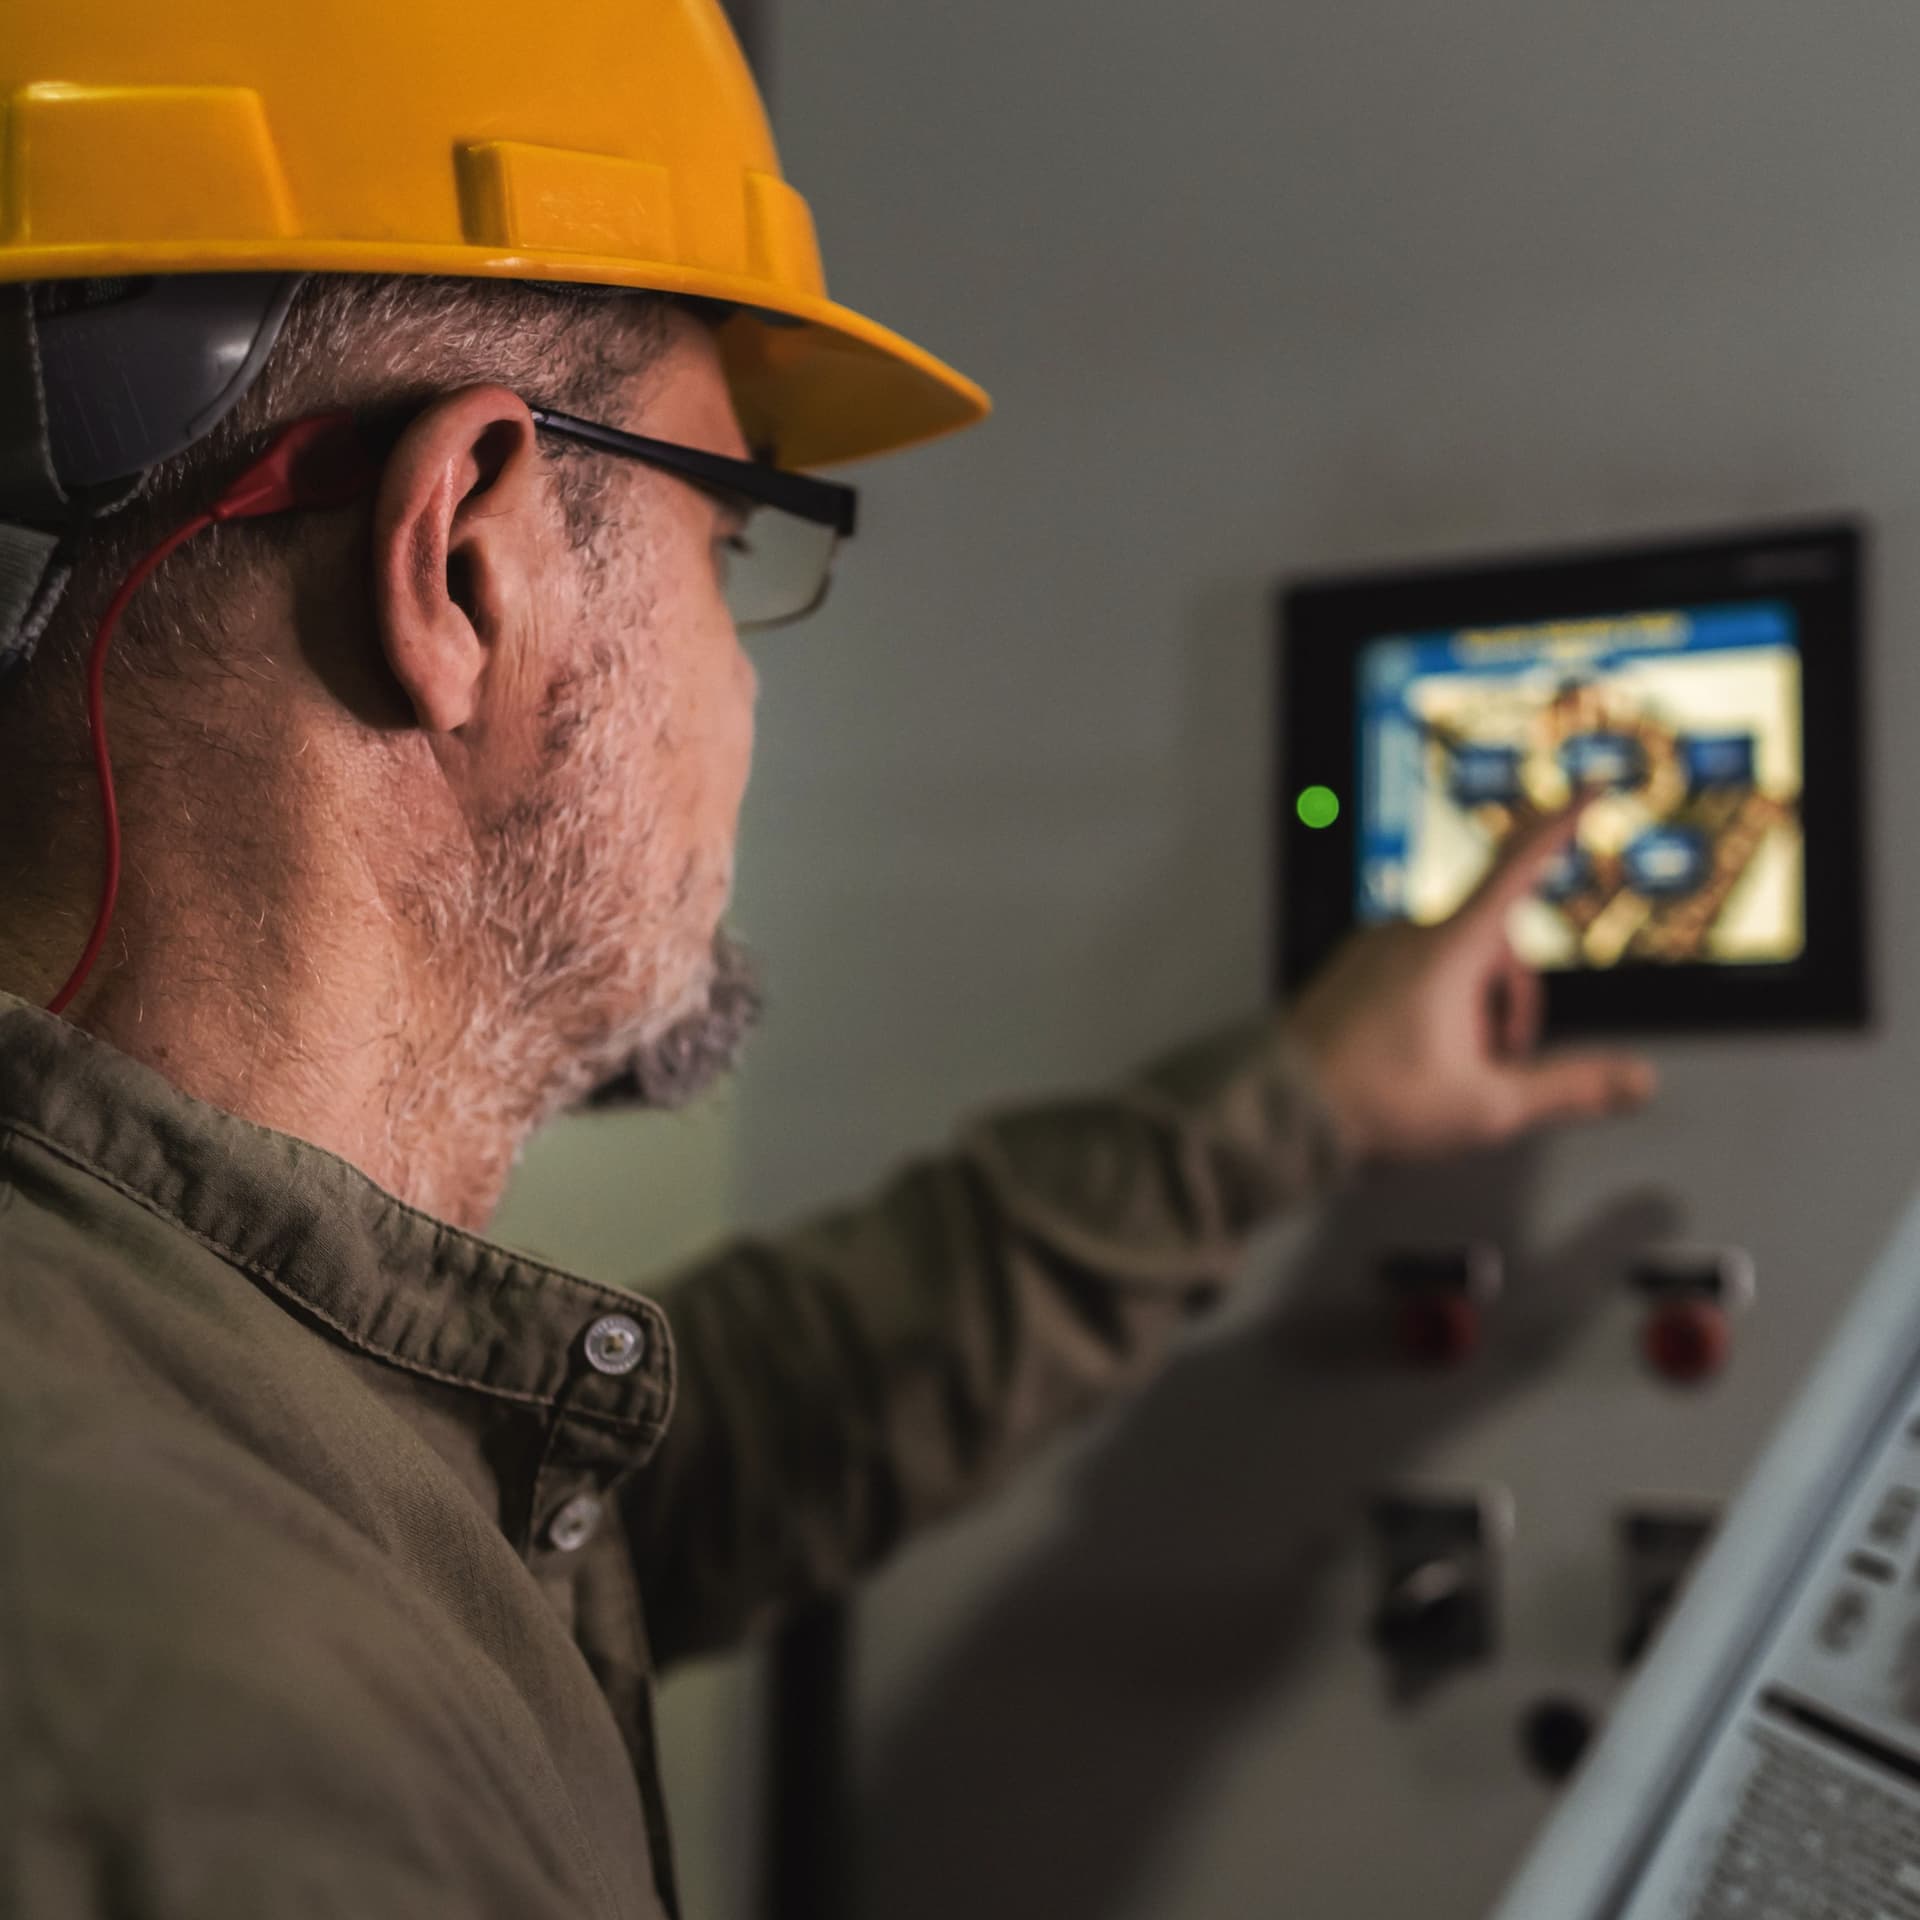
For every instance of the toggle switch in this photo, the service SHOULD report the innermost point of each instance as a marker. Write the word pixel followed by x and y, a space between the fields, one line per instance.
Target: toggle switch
pixel 1439 1568
pixel 1439 1297
pixel 1693 1295
pixel 1659 1543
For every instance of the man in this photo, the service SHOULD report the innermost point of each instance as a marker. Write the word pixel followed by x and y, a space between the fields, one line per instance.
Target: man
pixel 338 1548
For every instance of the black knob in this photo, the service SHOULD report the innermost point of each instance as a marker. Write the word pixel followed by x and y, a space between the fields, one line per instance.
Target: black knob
pixel 1553 1736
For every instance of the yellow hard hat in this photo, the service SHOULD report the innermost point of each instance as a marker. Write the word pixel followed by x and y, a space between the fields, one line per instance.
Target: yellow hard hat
pixel 617 143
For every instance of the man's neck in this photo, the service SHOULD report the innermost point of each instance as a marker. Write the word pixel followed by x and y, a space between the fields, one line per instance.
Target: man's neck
pixel 335 1041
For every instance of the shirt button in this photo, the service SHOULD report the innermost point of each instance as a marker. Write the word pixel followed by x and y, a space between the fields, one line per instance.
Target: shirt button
pixel 575 1524
pixel 615 1344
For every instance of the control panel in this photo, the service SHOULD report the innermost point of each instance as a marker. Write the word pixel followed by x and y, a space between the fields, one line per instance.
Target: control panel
pixel 1811 1803
pixel 1439 1554
pixel 1383 1554
pixel 1768 1761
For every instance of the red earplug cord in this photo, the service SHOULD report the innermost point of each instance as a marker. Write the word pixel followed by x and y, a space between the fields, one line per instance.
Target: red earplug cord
pixel 317 463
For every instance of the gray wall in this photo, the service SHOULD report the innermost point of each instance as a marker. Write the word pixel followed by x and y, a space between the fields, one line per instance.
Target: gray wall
pixel 1263 288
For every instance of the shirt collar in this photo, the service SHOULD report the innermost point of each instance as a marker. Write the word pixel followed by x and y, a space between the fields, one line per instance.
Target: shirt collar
pixel 391 1281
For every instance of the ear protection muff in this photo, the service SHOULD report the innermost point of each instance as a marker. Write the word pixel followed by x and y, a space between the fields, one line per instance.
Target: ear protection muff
pixel 100 381
pixel 136 371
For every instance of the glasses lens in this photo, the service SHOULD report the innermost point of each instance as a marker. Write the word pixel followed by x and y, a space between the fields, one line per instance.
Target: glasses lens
pixel 777 569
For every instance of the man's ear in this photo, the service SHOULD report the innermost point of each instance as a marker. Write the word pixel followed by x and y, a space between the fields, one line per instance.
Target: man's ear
pixel 458 522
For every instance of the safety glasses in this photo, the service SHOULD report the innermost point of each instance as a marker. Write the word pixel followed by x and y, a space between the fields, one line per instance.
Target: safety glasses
pixel 779 567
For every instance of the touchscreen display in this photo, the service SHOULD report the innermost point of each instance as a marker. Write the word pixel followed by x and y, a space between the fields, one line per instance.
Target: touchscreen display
pixel 1685 721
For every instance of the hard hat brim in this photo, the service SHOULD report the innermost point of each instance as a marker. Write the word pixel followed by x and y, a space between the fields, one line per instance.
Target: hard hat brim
pixel 819 383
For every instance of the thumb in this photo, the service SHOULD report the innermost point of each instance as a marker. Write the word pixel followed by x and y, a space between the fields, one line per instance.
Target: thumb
pixel 1578 1086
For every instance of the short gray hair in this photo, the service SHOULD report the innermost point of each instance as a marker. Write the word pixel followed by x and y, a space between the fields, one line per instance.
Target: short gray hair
pixel 350 340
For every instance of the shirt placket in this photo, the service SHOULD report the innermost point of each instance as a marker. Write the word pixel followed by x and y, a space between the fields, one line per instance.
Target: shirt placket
pixel 620 1372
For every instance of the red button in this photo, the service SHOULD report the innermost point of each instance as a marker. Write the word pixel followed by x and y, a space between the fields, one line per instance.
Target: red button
pixel 1688 1341
pixel 1438 1329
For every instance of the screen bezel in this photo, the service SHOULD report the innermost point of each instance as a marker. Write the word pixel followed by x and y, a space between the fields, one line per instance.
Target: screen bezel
pixel 1326 623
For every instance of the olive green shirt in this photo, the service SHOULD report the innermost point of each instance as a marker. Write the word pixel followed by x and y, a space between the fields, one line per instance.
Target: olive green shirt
pixel 339 1549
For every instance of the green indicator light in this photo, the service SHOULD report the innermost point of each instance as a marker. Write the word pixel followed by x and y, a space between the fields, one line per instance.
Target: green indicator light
pixel 1319 806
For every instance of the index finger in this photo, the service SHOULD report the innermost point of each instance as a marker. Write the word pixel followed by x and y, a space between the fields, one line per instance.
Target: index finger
pixel 1522 866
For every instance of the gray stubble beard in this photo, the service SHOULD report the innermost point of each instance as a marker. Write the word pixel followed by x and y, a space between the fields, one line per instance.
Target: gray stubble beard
pixel 695 1053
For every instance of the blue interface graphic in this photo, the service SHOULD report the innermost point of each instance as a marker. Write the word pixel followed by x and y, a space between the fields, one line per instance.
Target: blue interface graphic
pixel 1688 718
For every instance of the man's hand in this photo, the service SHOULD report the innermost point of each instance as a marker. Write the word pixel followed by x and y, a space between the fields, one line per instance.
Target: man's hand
pixel 1425 1038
